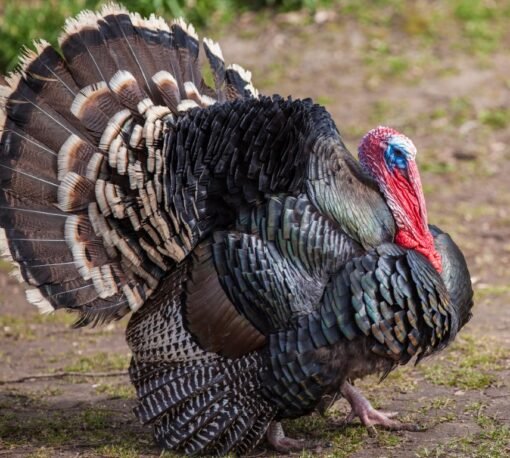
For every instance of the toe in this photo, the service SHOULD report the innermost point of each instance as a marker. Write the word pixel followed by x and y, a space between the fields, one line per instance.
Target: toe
pixel 287 445
pixel 350 417
pixel 372 430
pixel 389 414
pixel 412 427
pixel 374 417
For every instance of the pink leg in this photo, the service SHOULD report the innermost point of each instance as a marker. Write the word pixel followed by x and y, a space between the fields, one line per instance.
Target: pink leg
pixel 277 440
pixel 370 417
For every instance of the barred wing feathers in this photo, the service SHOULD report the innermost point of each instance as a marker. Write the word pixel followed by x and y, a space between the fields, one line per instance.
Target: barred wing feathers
pixel 204 401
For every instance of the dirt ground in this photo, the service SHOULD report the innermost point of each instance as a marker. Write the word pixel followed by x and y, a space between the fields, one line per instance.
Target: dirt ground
pixel 453 100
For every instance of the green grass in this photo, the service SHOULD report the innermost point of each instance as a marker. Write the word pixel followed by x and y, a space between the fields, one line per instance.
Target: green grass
pixel 437 167
pixel 116 390
pixel 460 110
pixel 119 451
pixel 473 26
pixel 99 362
pixel 27 421
pixel 388 439
pixel 486 291
pixel 26 327
pixel 94 426
pixel 38 395
pixel 348 441
pixel 23 22
pixel 324 100
pixel 17 328
pixel 5 266
pixel 343 441
pixel 471 364
pixel 43 452
pixel 496 118
pixel 439 410
pixel 493 441
pixel 336 439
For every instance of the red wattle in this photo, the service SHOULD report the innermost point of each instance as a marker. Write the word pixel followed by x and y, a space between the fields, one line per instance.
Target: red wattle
pixel 424 246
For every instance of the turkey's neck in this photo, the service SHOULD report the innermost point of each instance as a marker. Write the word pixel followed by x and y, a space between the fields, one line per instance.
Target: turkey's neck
pixel 404 196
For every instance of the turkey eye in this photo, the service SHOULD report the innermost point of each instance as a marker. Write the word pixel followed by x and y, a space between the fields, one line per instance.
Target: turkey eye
pixel 395 157
pixel 399 159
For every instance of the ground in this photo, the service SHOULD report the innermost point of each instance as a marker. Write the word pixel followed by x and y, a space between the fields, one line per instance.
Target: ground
pixel 448 91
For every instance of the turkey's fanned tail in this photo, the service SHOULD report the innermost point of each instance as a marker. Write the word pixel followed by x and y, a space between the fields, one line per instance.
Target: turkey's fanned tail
pixel 81 166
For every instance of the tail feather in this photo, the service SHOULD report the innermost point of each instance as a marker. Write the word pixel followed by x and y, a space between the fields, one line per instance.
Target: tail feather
pixel 19 217
pixel 167 55
pixel 32 248
pixel 168 87
pixel 149 40
pixel 35 115
pixel 127 90
pixel 186 42
pixel 83 48
pixel 55 272
pixel 203 387
pixel 217 64
pixel 188 412
pixel 209 428
pixel 102 311
pixel 94 105
pixel 25 187
pixel 75 156
pixel 239 83
pixel 48 77
pixel 121 37
pixel 19 151
pixel 47 73
pixel 236 432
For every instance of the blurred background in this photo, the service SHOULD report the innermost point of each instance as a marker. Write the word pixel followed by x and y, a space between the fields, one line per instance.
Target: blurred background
pixel 439 71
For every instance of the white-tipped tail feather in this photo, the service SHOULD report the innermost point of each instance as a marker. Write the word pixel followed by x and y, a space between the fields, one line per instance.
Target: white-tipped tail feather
pixel 35 297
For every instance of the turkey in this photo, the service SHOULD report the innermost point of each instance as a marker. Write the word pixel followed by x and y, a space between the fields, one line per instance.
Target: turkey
pixel 266 269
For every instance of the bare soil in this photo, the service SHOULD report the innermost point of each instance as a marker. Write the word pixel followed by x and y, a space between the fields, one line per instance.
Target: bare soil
pixel 442 97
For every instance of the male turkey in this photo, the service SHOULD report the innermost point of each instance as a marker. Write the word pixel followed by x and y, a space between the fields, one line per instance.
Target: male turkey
pixel 266 267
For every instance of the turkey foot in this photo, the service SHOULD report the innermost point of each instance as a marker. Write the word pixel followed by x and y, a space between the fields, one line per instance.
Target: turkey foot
pixel 370 417
pixel 277 440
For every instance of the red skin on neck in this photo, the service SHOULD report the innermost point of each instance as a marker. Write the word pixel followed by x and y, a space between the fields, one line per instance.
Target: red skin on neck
pixel 404 195
pixel 412 227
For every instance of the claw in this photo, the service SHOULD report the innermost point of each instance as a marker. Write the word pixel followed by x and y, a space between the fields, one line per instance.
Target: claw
pixel 280 443
pixel 369 416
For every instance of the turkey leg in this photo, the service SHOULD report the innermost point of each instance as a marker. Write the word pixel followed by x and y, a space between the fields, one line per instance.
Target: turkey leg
pixel 277 440
pixel 370 417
